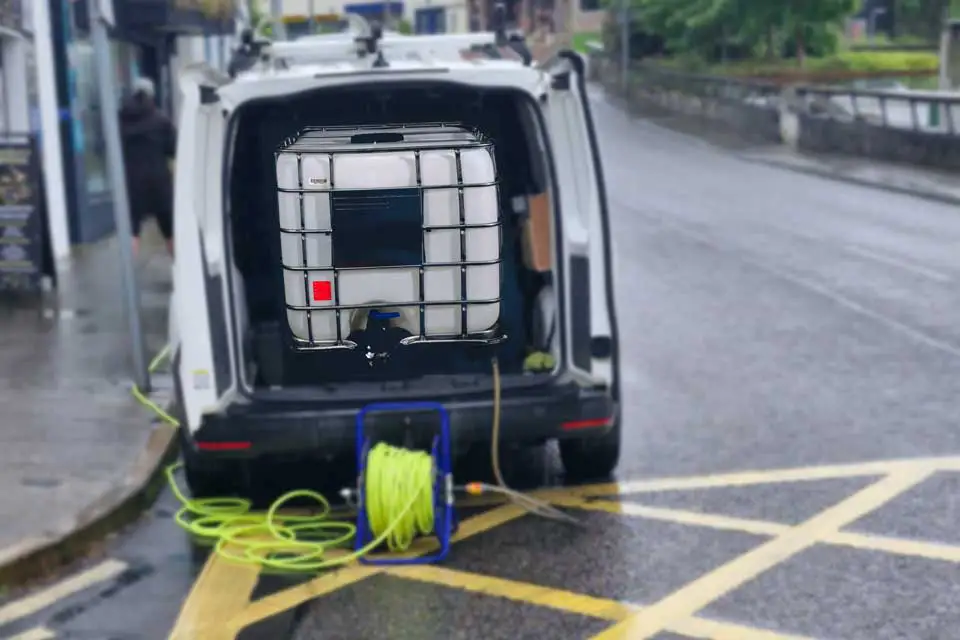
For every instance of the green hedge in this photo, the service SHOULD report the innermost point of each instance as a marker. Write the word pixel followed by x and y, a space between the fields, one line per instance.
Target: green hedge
pixel 877 61
pixel 853 61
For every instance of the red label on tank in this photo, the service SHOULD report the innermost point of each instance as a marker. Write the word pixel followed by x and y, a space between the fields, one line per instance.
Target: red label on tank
pixel 322 291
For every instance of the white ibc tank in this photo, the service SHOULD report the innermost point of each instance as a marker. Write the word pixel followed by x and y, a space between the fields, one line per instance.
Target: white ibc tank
pixel 333 250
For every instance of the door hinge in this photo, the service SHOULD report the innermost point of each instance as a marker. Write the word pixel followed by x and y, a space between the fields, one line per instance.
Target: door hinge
pixel 208 95
pixel 601 347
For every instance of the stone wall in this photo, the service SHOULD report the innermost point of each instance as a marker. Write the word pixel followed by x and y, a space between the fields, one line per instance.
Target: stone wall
pixel 824 135
pixel 778 115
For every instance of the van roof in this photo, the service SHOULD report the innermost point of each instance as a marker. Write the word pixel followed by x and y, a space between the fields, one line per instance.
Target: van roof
pixel 291 67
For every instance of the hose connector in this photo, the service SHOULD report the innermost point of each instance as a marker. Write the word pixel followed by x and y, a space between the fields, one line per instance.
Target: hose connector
pixel 474 488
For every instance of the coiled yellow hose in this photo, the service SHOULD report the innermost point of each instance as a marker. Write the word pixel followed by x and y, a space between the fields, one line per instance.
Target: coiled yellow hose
pixel 399 502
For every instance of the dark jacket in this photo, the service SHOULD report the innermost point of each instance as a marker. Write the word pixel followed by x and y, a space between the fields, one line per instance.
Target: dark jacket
pixel 149 143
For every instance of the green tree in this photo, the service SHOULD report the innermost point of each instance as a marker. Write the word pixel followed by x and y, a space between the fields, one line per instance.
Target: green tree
pixel 809 19
pixel 921 18
pixel 763 27
pixel 260 20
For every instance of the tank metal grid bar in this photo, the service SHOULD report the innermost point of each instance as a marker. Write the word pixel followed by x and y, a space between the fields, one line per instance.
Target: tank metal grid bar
pixel 422 313
pixel 463 244
pixel 303 251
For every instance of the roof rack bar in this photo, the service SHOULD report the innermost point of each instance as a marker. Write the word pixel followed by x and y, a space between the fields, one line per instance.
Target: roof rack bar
pixel 439 47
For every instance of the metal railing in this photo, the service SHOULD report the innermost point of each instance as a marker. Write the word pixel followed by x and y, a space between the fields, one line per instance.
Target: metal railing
pixel 927 112
pixel 933 112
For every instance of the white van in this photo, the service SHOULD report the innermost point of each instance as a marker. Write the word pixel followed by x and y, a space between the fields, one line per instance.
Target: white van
pixel 407 220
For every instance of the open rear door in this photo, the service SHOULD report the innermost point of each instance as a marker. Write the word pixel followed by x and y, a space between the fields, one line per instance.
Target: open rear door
pixel 590 309
pixel 202 354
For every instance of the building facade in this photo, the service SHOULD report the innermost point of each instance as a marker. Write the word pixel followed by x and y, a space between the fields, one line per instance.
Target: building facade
pixel 415 16
pixel 17 85
pixel 151 38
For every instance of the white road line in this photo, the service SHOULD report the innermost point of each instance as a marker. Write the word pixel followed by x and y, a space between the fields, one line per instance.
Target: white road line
pixel 888 260
pixel 37 633
pixel 42 599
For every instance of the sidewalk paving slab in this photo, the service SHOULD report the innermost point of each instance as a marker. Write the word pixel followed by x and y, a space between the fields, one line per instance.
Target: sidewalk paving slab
pixel 916 181
pixel 78 455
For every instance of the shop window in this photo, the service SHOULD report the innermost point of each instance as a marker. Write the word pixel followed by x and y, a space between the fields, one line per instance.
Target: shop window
pixel 89 141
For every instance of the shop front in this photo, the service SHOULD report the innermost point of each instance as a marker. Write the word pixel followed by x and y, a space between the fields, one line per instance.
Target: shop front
pixel 18 87
pixel 143 41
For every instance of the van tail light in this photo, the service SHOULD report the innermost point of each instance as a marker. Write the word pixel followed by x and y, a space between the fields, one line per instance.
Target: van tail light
pixel 592 423
pixel 223 446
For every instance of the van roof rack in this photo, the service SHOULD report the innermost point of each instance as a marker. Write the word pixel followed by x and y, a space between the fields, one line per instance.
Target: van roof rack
pixel 366 44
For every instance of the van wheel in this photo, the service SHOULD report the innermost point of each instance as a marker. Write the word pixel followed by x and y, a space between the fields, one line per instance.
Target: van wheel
pixel 592 458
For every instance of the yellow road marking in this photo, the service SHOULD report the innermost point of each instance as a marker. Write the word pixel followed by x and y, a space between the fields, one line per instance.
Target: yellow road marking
pixel 693 518
pixel 37 633
pixel 220 593
pixel 788 541
pixel 574 603
pixel 853 539
pixel 29 605
pixel 896 546
pixel 524 592
pixel 686 601
pixel 748 478
pixel 705 629
pixel 288 598
pixel 480 523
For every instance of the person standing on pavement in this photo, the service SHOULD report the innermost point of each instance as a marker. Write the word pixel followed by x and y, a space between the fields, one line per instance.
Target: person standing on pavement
pixel 149 144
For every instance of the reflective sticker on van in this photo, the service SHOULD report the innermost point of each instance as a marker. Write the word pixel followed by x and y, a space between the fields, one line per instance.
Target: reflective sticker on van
pixel 201 379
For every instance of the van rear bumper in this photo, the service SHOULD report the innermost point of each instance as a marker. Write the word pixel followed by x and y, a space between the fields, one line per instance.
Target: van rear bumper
pixel 526 417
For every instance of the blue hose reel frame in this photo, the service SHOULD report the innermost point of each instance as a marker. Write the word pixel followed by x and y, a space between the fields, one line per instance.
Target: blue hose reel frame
pixel 443 503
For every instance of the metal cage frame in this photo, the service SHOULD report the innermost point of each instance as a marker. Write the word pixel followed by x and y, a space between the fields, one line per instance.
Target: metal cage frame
pixel 492 336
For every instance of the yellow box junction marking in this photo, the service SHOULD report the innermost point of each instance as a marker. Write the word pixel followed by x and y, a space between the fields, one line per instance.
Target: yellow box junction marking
pixel 772 476
pixel 226 593
pixel 855 540
pixel 219 606
pixel 574 603
pixel 221 591
pixel 691 598
pixel 675 516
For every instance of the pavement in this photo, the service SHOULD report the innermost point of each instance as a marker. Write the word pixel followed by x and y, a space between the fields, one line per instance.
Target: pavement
pixel 75 446
pixel 791 460
pixel 923 183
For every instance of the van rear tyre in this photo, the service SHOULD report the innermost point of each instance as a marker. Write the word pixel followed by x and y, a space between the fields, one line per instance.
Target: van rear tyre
pixel 592 458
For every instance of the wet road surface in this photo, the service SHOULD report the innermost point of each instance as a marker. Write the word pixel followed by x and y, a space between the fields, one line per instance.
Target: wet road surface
pixel 791 354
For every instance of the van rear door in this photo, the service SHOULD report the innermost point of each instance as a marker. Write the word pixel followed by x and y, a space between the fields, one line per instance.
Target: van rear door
pixel 590 310
pixel 202 355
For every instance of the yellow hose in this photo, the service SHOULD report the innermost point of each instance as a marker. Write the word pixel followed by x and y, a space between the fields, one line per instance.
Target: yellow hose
pixel 399 486
pixel 399 500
